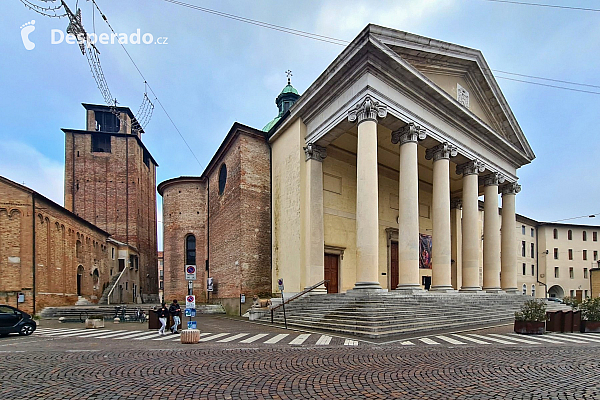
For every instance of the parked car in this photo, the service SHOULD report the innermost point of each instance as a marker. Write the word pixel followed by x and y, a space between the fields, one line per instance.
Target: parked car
pixel 556 299
pixel 13 320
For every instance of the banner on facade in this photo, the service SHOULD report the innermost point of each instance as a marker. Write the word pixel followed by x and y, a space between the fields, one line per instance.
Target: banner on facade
pixel 425 244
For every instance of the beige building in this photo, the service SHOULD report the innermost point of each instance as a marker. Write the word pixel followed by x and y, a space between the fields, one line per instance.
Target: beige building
pixel 370 165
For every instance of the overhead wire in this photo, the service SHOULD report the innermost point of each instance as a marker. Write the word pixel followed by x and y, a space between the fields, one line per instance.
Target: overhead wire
pixel 525 3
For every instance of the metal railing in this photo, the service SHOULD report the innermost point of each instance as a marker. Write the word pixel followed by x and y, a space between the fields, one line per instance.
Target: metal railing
pixel 296 296
pixel 114 286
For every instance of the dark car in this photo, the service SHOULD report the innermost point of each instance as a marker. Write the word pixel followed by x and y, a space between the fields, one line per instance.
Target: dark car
pixel 15 321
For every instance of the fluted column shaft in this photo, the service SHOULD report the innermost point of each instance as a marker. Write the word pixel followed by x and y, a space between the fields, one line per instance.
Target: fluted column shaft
pixel 441 274
pixel 470 225
pixel 491 234
pixel 408 206
pixel 315 231
pixel 367 196
pixel 509 244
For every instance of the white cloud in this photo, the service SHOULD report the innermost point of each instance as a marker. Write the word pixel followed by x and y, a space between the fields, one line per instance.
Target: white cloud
pixel 26 165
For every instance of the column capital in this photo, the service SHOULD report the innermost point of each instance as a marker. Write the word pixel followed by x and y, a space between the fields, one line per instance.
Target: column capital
pixel 441 151
pixel 411 132
pixel 367 110
pixel 315 152
pixel 511 188
pixel 472 167
pixel 455 203
pixel 493 179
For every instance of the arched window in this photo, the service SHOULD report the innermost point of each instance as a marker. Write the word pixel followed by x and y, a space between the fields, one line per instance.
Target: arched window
pixel 555 233
pixel 532 290
pixel 190 250
pixel 524 289
pixel 570 235
pixel 96 278
pixel 222 178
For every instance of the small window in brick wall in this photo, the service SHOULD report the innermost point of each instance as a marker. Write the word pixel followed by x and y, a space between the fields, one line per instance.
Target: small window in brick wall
pixel 100 143
pixel 222 178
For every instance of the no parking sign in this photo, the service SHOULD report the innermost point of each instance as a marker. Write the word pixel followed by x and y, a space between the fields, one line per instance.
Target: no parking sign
pixel 190 272
pixel 190 301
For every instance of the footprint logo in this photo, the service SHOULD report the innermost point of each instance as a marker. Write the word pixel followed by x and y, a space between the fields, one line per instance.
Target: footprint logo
pixel 26 29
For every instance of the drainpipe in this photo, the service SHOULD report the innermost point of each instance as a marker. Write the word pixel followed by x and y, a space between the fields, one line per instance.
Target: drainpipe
pixel 33 247
pixel 207 267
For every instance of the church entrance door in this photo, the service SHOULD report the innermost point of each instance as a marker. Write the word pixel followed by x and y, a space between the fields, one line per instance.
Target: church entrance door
pixel 393 266
pixel 331 272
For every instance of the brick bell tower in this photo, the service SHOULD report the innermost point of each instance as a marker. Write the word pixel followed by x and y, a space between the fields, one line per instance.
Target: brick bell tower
pixel 110 180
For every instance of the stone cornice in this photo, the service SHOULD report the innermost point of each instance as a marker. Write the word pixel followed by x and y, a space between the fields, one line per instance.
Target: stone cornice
pixel 411 132
pixel 367 110
pixel 315 152
pixel 493 179
pixel 511 188
pixel 441 151
pixel 472 167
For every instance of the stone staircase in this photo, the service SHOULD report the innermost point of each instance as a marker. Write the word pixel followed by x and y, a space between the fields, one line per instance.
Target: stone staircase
pixel 104 297
pixel 379 315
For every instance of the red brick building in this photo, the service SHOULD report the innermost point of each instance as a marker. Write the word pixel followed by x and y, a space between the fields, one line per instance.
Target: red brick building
pixel 220 221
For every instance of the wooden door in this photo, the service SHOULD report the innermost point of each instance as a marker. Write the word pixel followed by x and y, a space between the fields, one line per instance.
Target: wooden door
pixel 331 272
pixel 394 266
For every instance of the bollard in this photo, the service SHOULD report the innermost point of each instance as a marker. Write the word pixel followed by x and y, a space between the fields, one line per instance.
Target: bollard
pixel 190 336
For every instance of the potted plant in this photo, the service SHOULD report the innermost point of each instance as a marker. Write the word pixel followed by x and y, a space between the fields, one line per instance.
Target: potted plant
pixel 590 312
pixel 531 319
pixel 94 321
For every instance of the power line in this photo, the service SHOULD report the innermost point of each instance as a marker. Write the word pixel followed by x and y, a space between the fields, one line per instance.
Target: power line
pixel 568 219
pixel 340 42
pixel 523 3
pixel 147 84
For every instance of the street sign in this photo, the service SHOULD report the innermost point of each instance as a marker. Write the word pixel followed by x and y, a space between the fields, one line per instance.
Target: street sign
pixel 190 285
pixel 192 325
pixel 21 298
pixel 209 284
pixel 190 301
pixel 280 283
pixel 243 298
pixel 190 312
pixel 190 272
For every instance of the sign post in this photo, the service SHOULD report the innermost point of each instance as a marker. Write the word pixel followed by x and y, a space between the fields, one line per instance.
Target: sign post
pixel 280 284
pixel 190 300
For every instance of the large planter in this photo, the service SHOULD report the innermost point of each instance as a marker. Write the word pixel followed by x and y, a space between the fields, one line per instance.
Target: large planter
pixel 94 323
pixel 590 326
pixel 190 336
pixel 530 327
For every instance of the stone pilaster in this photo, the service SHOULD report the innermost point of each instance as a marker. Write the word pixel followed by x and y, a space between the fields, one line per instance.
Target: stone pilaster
pixel 441 279
pixel 509 243
pixel 491 233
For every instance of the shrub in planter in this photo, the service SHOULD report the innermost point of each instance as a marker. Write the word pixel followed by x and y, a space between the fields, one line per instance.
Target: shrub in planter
pixel 590 312
pixel 531 319
pixel 571 302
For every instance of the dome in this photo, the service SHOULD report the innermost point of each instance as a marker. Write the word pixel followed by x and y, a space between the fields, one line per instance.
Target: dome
pixel 289 89
pixel 284 101
pixel 268 126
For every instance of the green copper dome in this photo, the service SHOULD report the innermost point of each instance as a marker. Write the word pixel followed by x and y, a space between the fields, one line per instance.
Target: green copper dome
pixel 289 89
pixel 268 126
pixel 284 101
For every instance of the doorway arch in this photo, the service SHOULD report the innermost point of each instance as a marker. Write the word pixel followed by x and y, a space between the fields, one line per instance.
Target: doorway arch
pixel 80 271
pixel 556 291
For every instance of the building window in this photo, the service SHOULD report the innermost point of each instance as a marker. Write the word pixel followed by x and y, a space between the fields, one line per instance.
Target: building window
pixel 190 250
pixel 523 244
pixel 78 249
pixel 532 250
pixel 585 273
pixel 532 270
pixel 100 143
pixel 524 289
pixel 572 293
pixel 112 252
pixel 585 294
pixel 570 235
pixel 107 122
pixel 532 290
pixel 595 255
pixel 531 232
pixel 570 254
pixel 584 236
pixel 556 275
pixel 555 253
pixel 162 285
pixel 595 236
pixel 222 178
pixel 571 273
pixel 524 267
pixel 522 229
pixel 584 255
pixel 555 233
pixel 146 158
pixel 161 273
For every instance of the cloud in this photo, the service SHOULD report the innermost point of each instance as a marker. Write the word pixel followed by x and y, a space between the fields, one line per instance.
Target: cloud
pixel 26 165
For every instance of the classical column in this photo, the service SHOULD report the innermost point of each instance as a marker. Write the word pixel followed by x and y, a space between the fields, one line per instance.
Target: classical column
pixel 367 198
pixel 441 274
pixel 509 243
pixel 408 207
pixel 314 229
pixel 491 233
pixel 470 224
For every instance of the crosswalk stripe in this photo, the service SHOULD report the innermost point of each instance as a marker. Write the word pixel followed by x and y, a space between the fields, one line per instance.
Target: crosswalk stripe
pixel 54 329
pixel 300 338
pixel 323 340
pixel 514 338
pixel 215 336
pixel 254 338
pixel 407 343
pixel 147 335
pixel 449 340
pixel 104 333
pixel 132 335
pixel 428 341
pixel 471 339
pixel 350 342
pixel 566 339
pixel 65 332
pixel 232 338
pixel 276 338
pixel 493 339
pixel 580 336
pixel 82 334
pixel 545 339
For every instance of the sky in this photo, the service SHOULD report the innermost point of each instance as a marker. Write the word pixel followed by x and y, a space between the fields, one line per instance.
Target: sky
pixel 214 71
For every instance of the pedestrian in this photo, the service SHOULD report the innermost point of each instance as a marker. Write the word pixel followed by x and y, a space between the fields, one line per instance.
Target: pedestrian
pixel 163 314
pixel 175 311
